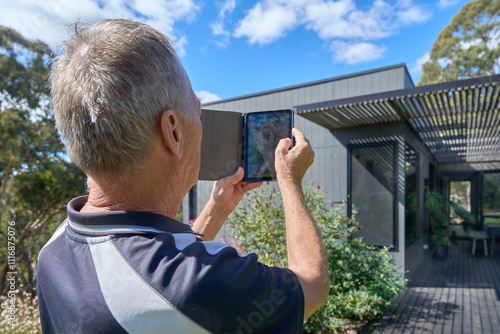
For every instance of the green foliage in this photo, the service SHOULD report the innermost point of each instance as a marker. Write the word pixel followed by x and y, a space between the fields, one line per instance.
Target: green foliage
pixel 468 46
pixel 467 217
pixel 363 279
pixel 491 194
pixel 23 72
pixel 437 208
pixel 263 215
pixel 36 177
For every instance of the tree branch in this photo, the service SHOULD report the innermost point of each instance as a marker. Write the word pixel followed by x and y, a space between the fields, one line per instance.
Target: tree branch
pixel 32 226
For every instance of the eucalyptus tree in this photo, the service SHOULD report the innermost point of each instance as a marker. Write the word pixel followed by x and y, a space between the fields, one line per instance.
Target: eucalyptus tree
pixel 37 178
pixel 468 47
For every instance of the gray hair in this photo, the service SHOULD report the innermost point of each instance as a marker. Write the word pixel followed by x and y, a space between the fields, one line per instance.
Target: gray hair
pixel 109 88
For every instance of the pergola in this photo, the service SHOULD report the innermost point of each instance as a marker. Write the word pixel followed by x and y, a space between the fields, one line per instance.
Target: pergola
pixel 458 121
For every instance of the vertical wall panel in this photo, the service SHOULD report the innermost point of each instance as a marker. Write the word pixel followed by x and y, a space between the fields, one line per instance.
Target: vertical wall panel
pixel 359 86
pixel 408 82
pixel 376 82
pixel 337 94
pixel 274 101
pixel 344 89
pixel 351 87
pixel 320 93
pixel 368 87
pixel 387 80
pixel 398 76
pixel 282 100
pixel 328 91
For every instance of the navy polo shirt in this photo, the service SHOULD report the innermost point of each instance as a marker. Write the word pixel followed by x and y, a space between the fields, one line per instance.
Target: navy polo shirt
pixel 138 272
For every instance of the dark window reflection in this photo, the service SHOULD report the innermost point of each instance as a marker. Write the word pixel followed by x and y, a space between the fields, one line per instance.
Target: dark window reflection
pixel 372 192
pixel 411 177
pixel 491 197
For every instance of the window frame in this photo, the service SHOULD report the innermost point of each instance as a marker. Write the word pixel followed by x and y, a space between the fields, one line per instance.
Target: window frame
pixel 395 218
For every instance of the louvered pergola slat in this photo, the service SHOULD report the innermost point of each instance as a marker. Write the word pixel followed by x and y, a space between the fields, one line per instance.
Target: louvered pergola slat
pixel 459 121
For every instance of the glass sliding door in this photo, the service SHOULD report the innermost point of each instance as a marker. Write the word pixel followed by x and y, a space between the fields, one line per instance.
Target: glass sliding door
pixel 372 192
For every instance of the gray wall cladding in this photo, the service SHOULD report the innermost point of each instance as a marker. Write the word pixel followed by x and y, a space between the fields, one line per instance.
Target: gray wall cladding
pixel 363 83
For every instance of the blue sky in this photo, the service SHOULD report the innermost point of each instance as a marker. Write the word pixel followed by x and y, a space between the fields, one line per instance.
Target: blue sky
pixel 237 47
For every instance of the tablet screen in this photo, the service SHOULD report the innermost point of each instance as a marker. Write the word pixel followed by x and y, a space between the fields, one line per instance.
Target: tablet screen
pixel 263 131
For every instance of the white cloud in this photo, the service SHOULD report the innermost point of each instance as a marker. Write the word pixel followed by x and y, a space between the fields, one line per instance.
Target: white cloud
pixel 447 3
pixel 354 53
pixel 206 97
pixel 267 22
pixel 351 28
pixel 46 19
pixel 416 68
pixel 329 19
pixel 226 8
pixel 412 15
pixel 421 61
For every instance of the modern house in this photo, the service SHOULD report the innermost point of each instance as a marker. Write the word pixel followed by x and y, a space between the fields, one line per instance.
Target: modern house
pixel 378 139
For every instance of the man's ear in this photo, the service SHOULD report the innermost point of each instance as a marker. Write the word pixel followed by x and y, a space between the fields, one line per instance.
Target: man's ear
pixel 171 132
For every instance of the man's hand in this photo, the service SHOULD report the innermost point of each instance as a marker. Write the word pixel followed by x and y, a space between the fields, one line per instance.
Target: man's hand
pixel 291 165
pixel 226 194
pixel 229 191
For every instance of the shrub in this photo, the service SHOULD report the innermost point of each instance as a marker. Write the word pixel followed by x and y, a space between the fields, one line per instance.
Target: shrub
pixel 27 318
pixel 363 279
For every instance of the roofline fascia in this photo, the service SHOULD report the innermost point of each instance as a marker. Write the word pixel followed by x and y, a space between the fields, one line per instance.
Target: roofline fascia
pixel 312 83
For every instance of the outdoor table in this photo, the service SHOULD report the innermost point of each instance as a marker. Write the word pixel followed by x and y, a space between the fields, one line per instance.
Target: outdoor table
pixel 493 226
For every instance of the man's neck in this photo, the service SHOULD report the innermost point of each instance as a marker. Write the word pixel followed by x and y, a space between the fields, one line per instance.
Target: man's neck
pixel 145 195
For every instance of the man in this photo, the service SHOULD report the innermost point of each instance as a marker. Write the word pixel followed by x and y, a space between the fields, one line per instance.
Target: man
pixel 120 262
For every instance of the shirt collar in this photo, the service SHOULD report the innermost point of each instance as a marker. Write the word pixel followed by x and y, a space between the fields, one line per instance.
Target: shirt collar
pixel 121 221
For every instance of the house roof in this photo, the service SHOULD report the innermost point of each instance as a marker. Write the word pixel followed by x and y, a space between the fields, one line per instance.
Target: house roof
pixel 459 121
pixel 313 83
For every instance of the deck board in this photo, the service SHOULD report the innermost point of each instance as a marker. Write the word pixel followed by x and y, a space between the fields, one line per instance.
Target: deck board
pixel 460 294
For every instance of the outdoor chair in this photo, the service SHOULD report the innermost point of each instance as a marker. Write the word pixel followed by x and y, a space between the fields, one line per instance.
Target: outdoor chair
pixel 479 235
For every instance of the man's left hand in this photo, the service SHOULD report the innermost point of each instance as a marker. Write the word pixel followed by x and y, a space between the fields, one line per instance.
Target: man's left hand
pixel 226 194
pixel 229 191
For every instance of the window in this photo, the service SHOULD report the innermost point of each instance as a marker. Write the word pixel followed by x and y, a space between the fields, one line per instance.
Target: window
pixel 491 196
pixel 411 195
pixel 372 192
pixel 460 192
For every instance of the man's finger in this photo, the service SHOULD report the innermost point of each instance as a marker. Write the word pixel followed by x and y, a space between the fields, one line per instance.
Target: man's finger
pixel 234 179
pixel 251 185
pixel 299 136
pixel 283 145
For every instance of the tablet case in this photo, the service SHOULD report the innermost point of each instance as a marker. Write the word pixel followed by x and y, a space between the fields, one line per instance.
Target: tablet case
pixel 220 144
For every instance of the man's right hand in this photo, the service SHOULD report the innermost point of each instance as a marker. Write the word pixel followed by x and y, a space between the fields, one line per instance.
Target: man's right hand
pixel 291 165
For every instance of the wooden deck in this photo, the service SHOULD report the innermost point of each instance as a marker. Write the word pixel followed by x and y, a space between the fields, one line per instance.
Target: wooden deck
pixel 458 295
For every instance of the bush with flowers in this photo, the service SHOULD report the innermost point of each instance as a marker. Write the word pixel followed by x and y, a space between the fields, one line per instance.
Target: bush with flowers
pixel 25 318
pixel 363 279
